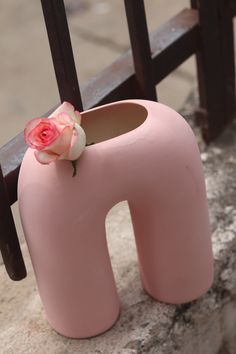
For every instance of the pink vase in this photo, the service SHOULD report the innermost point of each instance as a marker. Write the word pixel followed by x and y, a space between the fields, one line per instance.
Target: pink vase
pixel 144 153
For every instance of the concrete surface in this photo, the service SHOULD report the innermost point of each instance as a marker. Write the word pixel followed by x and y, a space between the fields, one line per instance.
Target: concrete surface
pixel 28 89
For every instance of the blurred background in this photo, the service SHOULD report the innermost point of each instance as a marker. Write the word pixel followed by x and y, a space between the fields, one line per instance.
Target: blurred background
pixel 99 36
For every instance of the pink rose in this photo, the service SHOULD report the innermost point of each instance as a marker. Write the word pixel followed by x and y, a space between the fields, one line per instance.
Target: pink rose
pixel 59 137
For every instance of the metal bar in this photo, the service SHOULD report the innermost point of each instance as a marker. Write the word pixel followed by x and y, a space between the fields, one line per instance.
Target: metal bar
pixel 139 38
pixel 232 4
pixel 228 57
pixel 216 73
pixel 171 44
pixel 194 4
pixel 9 244
pixel 61 50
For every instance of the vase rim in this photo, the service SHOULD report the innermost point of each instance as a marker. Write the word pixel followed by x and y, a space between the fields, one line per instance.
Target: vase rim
pixel 114 114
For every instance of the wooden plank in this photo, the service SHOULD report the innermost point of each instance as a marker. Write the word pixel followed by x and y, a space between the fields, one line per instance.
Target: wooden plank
pixel 194 4
pixel 9 244
pixel 216 73
pixel 139 38
pixel 228 57
pixel 232 5
pixel 171 44
pixel 61 50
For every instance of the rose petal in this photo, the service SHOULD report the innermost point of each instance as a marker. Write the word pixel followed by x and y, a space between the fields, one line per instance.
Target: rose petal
pixel 62 132
pixel 66 107
pixel 77 144
pixel 44 157
pixel 62 143
pixel 32 124
pixel 29 127
pixel 78 117
pixel 63 119
pixel 33 133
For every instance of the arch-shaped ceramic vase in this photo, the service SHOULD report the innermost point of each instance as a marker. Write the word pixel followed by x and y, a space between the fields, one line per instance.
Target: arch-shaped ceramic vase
pixel 145 153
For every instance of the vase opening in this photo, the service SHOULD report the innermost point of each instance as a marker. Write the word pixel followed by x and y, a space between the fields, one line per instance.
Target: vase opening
pixel 104 123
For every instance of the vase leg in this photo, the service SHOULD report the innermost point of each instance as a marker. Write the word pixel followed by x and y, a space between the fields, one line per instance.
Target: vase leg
pixel 174 247
pixel 73 271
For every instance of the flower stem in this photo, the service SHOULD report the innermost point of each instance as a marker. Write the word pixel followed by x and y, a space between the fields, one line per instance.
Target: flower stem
pixel 74 165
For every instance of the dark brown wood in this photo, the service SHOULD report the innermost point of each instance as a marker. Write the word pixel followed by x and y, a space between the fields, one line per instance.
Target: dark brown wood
pixel 174 42
pixel 9 244
pixel 11 155
pixel 194 4
pixel 139 38
pixel 216 73
pixel 228 57
pixel 171 44
pixel 232 5
pixel 61 49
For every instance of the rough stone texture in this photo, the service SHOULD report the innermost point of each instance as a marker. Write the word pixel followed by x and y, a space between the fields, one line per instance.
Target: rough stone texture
pixel 205 326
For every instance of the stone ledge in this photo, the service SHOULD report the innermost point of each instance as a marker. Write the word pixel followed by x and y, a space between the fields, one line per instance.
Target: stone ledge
pixel 205 326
